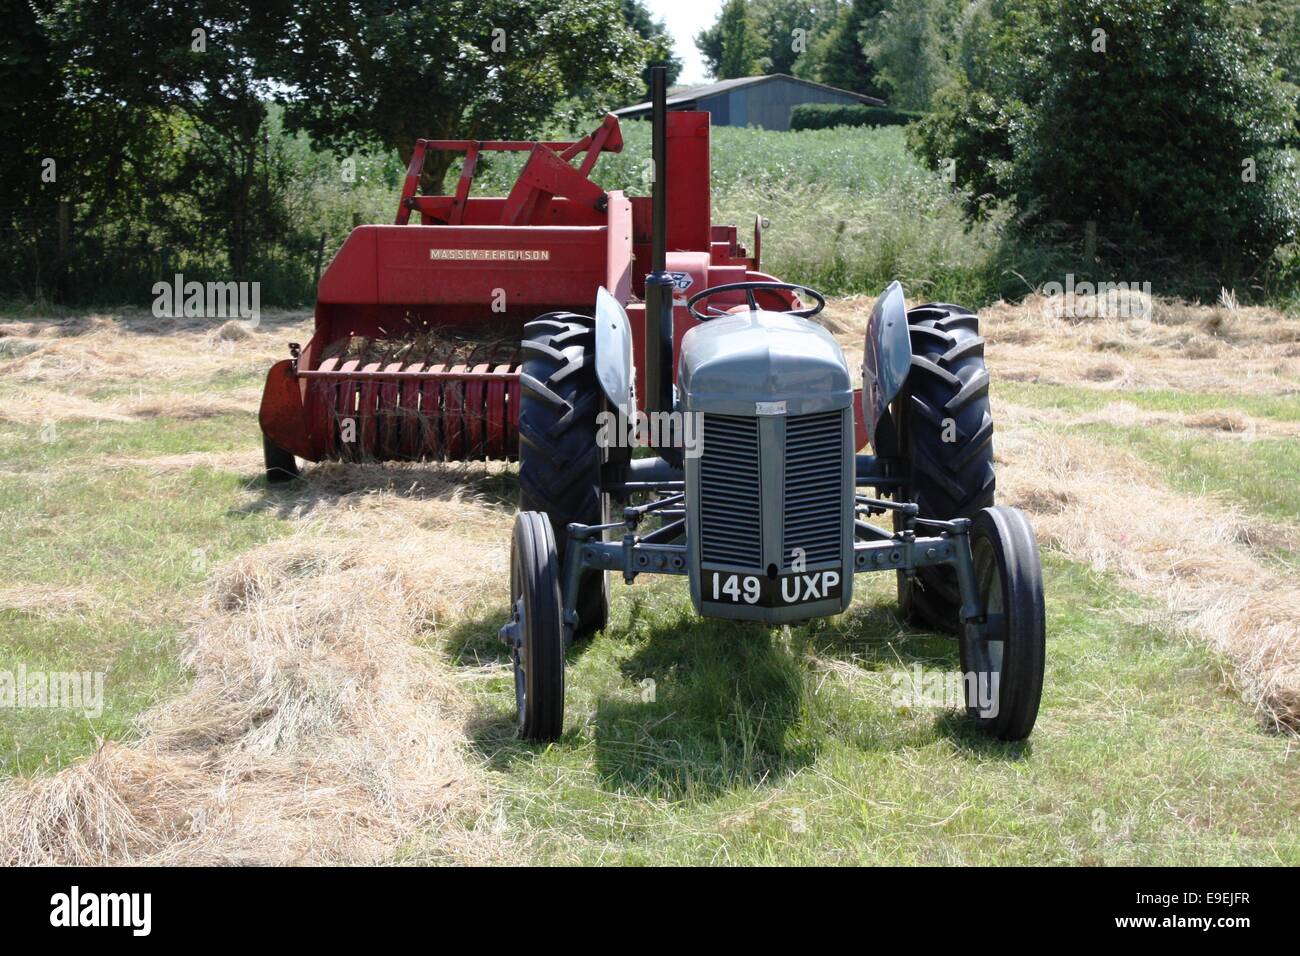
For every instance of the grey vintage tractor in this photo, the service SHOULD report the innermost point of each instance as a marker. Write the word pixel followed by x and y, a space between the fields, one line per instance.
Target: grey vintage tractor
pixel 766 511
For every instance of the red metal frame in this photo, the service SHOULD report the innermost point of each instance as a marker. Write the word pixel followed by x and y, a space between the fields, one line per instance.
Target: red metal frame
pixel 482 267
pixel 548 173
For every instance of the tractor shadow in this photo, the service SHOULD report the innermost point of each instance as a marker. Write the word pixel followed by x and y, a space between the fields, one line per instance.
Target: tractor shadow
pixel 873 637
pixel 329 483
pixel 715 706
pixel 680 707
pixel 700 708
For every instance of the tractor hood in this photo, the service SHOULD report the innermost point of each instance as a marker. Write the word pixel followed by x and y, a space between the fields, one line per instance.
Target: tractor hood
pixel 731 363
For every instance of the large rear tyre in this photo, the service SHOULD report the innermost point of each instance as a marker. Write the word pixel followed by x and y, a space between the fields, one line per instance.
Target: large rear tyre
pixel 945 437
pixel 559 457
pixel 281 465
pixel 1008 656
pixel 536 629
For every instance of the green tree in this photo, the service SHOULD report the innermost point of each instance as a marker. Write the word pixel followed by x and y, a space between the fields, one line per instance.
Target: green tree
pixel 733 46
pixel 1155 122
pixel 1151 135
pixel 910 45
pixel 1272 29
pixel 789 29
pixel 659 42
pixel 392 71
pixel 843 62
pixel 186 80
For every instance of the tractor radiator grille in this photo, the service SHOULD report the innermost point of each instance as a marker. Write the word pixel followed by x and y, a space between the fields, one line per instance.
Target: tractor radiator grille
pixel 814 496
pixel 730 507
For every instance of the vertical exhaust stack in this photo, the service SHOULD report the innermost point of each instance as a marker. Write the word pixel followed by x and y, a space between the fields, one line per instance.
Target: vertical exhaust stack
pixel 659 283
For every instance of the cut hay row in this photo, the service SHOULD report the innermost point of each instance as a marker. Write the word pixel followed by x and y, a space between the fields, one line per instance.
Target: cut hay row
pixel 320 726
pixel 1193 555
pixel 1198 557
pixel 1221 423
pixel 49 601
pixel 132 346
pixel 1177 346
pixel 33 407
pixel 316 728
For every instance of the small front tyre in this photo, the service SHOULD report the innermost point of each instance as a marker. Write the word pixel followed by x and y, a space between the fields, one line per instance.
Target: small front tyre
pixel 1006 656
pixel 535 630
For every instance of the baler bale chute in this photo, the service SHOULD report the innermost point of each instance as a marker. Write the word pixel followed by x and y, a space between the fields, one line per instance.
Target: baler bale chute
pixel 416 348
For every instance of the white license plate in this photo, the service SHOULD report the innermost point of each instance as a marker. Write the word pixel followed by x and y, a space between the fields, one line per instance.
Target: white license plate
pixel 798 587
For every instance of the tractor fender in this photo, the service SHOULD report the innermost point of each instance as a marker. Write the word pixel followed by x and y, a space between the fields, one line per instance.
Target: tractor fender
pixel 614 351
pixel 886 356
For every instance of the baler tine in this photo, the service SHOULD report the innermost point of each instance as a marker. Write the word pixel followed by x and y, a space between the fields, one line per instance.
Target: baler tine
pixel 416 348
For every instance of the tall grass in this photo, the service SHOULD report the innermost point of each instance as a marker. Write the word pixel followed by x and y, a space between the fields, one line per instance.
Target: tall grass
pixel 850 210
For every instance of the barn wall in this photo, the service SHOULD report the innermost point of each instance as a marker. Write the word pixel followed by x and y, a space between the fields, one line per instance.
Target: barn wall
pixel 767 105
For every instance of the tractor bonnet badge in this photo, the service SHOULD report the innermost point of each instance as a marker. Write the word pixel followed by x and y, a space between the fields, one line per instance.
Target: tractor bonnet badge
pixel 769 408
pixel 682 281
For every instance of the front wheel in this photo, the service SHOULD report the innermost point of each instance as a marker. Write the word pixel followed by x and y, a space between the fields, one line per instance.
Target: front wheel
pixel 535 630
pixel 1003 659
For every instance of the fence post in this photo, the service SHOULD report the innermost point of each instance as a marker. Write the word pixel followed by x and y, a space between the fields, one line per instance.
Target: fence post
pixel 62 274
pixel 65 227
pixel 320 254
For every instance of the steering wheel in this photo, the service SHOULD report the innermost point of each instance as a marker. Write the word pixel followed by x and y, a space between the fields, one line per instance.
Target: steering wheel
pixel 749 289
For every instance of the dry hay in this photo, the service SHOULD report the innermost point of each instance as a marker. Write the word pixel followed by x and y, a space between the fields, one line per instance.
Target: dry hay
pixel 248 461
pixel 190 405
pixel 316 728
pixel 39 407
pixel 1178 345
pixel 439 346
pixel 1220 424
pixel 43 600
pixel 1208 572
pixel 1105 507
pixel 131 345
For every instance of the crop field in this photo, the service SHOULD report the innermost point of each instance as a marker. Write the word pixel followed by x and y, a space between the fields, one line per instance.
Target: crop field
pixel 310 673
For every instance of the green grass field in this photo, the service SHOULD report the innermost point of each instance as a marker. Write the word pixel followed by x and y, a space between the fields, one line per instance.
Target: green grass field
pixel 785 747
pixel 754 745
pixel 119 553
pixel 689 741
